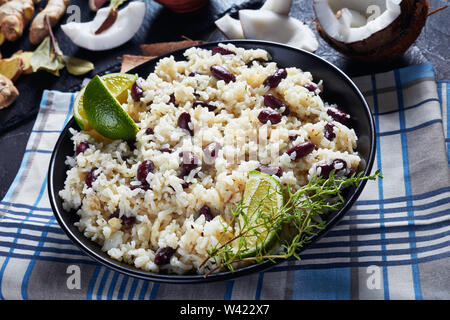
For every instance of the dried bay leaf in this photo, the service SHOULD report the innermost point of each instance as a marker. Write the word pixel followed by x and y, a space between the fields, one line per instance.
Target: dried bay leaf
pixel 44 58
pixel 77 66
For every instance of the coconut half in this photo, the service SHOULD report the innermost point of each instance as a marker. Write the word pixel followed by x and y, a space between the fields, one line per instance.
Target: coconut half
pixel 271 22
pixel 230 27
pixel 271 26
pixel 370 30
pixel 127 23
pixel 278 6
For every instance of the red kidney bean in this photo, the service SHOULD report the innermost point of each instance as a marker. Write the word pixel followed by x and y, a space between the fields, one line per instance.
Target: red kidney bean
pixel 328 131
pixel 325 169
pixel 163 255
pixel 272 102
pixel 222 73
pixel 172 100
pixel 184 184
pixel 144 169
pixel 184 122
pixel 143 185
pixel 293 137
pixel 311 87
pixel 205 105
pixel 351 171
pixel 115 214
pixel 277 171
pixel 301 149
pixel 81 147
pixel 222 51
pixel 90 178
pixel 338 115
pixel 274 80
pixel 189 162
pixel 136 92
pixel 269 115
pixel 128 222
pixel 206 212
pixel 168 150
pixel 339 165
pixel 258 60
pixel 211 151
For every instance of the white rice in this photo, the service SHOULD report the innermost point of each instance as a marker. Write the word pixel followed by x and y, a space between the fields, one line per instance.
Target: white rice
pixel 167 214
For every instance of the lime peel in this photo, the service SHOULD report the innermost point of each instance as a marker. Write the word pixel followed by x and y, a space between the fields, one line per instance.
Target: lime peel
pixel 117 83
pixel 262 200
pixel 105 114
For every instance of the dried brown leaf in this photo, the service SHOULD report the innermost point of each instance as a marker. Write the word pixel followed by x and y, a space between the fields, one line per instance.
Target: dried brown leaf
pixel 160 48
pixel 130 61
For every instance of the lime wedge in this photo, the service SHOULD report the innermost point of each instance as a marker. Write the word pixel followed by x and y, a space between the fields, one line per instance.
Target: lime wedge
pixel 105 114
pixel 78 112
pixel 117 83
pixel 262 201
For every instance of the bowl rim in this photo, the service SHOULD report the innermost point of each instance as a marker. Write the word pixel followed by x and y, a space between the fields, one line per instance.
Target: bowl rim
pixel 223 275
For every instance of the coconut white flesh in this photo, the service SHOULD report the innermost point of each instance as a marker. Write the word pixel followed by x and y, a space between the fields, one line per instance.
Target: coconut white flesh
pixel 128 22
pixel 352 18
pixel 271 26
pixel 230 27
pixel 278 6
pixel 348 28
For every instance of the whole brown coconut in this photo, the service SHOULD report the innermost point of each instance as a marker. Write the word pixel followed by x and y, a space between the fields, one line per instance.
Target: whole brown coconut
pixel 388 43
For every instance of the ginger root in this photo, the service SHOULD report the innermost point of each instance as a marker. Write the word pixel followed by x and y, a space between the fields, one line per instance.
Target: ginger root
pixel 8 92
pixel 14 16
pixel 11 68
pixel 54 10
pixel 25 56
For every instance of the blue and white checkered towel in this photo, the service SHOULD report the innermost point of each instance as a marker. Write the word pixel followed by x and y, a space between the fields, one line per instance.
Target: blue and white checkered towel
pixel 393 244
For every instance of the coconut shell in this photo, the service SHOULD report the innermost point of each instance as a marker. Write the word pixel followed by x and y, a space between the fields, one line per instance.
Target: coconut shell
pixel 390 42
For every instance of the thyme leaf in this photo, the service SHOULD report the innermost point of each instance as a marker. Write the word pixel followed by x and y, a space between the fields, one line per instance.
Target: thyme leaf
pixel 302 216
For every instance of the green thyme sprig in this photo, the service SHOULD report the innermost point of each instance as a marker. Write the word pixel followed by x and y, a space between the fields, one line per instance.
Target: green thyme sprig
pixel 294 224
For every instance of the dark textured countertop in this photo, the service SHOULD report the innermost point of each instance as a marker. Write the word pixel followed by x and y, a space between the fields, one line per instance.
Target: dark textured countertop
pixel 161 24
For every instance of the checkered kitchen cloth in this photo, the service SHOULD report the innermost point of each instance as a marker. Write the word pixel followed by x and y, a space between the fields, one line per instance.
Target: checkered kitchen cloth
pixel 393 244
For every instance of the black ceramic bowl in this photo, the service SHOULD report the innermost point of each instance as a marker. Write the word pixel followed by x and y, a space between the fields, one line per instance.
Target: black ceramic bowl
pixel 338 88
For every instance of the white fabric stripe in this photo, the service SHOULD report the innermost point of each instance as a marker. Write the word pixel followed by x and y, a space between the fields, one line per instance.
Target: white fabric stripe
pixel 11 288
pixel 126 292
pixel 66 256
pixel 30 222
pixel 97 283
pixel 30 252
pixel 433 232
pixel 402 214
pixel 14 218
pixel 104 292
pixel 444 107
pixel 433 252
pixel 440 196
pixel 423 244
